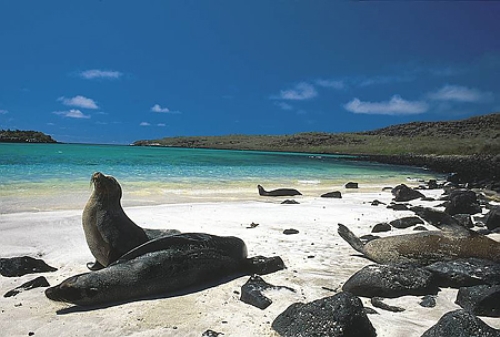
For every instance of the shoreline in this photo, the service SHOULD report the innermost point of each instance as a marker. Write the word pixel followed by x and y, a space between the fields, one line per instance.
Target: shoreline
pixel 318 263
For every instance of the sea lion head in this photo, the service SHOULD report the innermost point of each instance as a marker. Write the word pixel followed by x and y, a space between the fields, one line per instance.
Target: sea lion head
pixel 73 290
pixel 106 186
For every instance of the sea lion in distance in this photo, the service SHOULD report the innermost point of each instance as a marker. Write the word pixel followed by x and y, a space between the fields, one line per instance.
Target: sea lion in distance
pixel 109 232
pixel 280 192
pixel 451 242
pixel 161 266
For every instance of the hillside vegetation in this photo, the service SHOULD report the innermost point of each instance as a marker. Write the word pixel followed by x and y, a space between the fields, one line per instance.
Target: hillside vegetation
pixel 18 136
pixel 476 135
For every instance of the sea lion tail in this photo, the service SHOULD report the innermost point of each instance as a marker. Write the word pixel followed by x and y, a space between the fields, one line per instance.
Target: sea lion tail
pixel 351 239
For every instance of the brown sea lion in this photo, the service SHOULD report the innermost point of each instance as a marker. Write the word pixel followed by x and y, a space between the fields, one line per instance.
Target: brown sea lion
pixel 109 232
pixel 451 242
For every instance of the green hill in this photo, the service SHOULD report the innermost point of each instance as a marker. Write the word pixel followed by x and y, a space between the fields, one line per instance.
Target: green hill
pixel 18 136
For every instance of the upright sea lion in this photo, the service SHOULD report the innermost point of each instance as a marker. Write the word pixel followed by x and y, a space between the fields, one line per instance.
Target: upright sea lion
pixel 280 192
pixel 162 266
pixel 451 242
pixel 109 232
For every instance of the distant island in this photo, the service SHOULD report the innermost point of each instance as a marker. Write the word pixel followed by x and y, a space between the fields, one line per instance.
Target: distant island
pixel 470 146
pixel 18 136
pixel 475 135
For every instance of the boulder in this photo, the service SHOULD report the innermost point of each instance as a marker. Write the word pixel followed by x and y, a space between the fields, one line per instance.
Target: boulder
pixel 406 222
pixel 40 281
pixel 404 193
pixel 19 266
pixel 335 194
pixel 391 281
pixel 465 272
pixel 493 219
pixel 428 301
pixel 381 227
pixel 341 315
pixel 460 323
pixel 482 300
pixel 398 207
pixel 251 292
pixel 351 185
pixel 464 220
pixel 378 302
pixel 463 202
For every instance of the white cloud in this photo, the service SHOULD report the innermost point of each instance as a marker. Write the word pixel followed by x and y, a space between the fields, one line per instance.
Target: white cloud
pixel 158 108
pixel 73 113
pixel 79 101
pixel 334 84
pixel 144 124
pixel 3 112
pixel 301 91
pixel 459 93
pixel 96 73
pixel 161 124
pixel 283 105
pixel 395 106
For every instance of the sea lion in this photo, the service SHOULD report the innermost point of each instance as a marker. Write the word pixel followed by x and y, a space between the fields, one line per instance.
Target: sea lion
pixel 109 232
pixel 280 192
pixel 162 266
pixel 451 242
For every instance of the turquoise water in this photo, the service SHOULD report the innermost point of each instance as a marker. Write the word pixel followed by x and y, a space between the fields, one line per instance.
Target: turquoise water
pixel 57 176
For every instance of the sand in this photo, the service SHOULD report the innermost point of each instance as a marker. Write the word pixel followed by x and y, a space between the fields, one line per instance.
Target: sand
pixel 318 263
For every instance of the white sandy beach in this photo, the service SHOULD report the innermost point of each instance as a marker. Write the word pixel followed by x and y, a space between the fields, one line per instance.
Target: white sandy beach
pixel 318 262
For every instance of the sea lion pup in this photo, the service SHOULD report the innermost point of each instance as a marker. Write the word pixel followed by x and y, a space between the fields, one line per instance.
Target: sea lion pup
pixel 160 266
pixel 451 242
pixel 280 192
pixel 108 230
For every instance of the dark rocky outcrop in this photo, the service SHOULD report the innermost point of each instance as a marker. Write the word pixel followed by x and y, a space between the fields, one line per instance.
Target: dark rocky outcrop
pixel 403 193
pixel 460 323
pixel 341 315
pixel 290 231
pixel 493 219
pixel 463 202
pixel 482 300
pixel 19 266
pixel 262 265
pixel 335 194
pixel 251 292
pixel 465 272
pixel 464 220
pixel 406 222
pixel 428 301
pixel 398 207
pixel 211 333
pixel 391 281
pixel 351 185
pixel 381 227
pixel 40 281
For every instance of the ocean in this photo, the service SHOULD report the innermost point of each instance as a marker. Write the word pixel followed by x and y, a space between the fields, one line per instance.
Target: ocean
pixel 42 173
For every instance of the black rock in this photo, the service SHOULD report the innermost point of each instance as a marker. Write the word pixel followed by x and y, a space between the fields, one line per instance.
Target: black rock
pixel 377 202
pixel 454 178
pixel 368 238
pixel 404 193
pixel 251 292
pixel 460 323
pixel 351 185
pixel 428 301
pixel 371 311
pixel 211 333
pixel 493 219
pixel 463 202
pixel 381 227
pixel 391 281
pixel 341 315
pixel 482 300
pixel 335 194
pixel 432 184
pixel 428 199
pixel 264 265
pixel 465 272
pixel 398 207
pixel 290 202
pixel 420 228
pixel 290 231
pixel 378 303
pixel 464 220
pixel 19 266
pixel 406 222
pixel 40 281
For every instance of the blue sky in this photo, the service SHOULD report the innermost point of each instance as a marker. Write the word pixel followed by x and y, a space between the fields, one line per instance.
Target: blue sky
pixel 119 71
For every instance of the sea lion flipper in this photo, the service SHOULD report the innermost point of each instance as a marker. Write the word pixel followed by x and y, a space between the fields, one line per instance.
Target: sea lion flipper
pixel 351 239
pixel 94 265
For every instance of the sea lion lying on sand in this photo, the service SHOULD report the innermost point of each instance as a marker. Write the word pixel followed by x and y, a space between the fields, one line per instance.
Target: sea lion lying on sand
pixel 161 266
pixel 451 242
pixel 280 192
pixel 109 232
